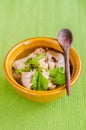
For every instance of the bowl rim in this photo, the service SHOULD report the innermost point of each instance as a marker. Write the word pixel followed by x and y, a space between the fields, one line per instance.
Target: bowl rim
pixel 15 84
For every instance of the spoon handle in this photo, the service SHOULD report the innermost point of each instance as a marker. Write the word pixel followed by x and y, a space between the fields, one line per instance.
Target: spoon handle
pixel 67 70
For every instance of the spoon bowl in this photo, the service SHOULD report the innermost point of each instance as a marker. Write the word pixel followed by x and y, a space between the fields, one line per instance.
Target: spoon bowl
pixel 65 38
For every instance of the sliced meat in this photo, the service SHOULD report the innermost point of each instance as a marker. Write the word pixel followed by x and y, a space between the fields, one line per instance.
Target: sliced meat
pixel 51 65
pixel 58 65
pixel 32 55
pixel 19 64
pixel 60 62
pixel 26 79
pixel 52 54
pixel 43 63
pixel 60 58
pixel 39 51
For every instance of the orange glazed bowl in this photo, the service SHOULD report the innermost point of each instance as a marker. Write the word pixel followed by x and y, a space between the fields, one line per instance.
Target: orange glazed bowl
pixel 24 48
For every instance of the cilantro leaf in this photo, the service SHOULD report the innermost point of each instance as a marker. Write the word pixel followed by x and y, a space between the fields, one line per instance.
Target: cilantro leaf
pixel 39 57
pixel 42 82
pixel 57 75
pixel 30 64
pixel 35 81
pixel 28 61
pixel 34 61
pixel 39 81
pixel 19 71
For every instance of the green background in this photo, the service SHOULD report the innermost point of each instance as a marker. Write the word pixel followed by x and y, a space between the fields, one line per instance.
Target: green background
pixel 22 19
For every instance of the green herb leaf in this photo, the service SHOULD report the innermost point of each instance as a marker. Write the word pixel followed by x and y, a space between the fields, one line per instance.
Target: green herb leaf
pixel 28 61
pixel 42 82
pixel 34 61
pixel 27 68
pixel 19 71
pixel 57 75
pixel 39 81
pixel 35 81
pixel 40 56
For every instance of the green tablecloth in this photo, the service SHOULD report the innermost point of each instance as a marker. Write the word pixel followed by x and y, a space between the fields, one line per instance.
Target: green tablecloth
pixel 22 19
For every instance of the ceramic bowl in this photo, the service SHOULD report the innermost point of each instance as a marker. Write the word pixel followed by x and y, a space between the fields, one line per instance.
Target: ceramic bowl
pixel 24 48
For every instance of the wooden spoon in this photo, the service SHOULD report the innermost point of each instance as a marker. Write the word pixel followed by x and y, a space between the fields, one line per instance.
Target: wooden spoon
pixel 65 39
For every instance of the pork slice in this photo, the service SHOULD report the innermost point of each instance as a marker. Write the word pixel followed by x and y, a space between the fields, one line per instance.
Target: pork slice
pixel 26 79
pixel 60 58
pixel 61 62
pixel 51 54
pixel 43 63
pixel 59 65
pixel 51 64
pixel 39 51
pixel 19 64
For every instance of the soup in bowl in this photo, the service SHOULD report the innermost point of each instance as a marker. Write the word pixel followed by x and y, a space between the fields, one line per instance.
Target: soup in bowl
pixel 35 67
